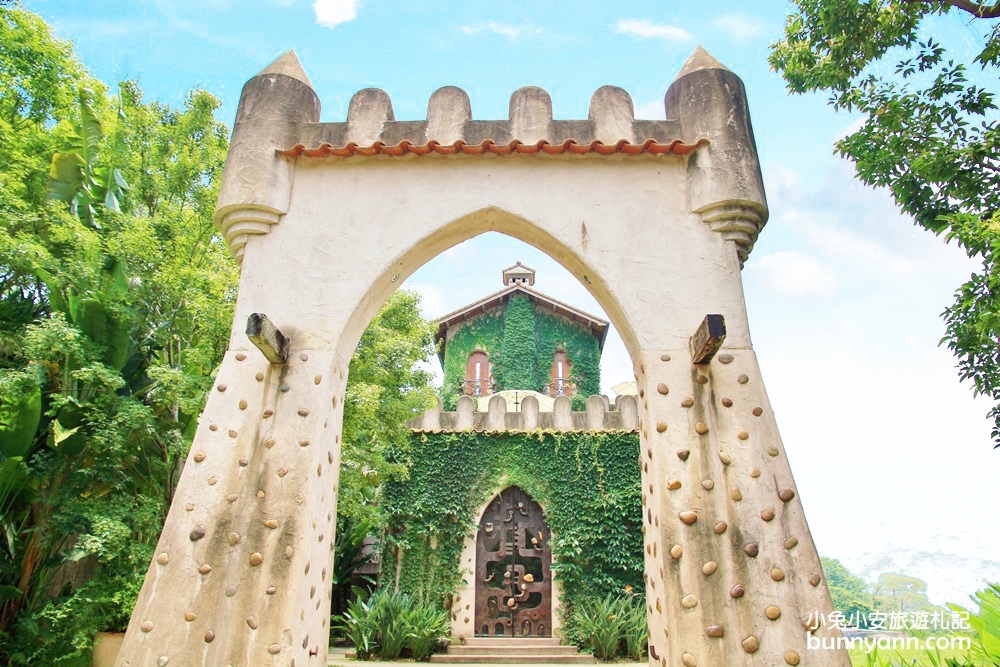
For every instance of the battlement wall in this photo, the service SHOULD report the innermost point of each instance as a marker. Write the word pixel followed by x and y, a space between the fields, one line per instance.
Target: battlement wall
pixel 599 415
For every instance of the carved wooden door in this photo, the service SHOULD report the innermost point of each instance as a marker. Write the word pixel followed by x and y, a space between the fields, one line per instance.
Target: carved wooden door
pixel 513 569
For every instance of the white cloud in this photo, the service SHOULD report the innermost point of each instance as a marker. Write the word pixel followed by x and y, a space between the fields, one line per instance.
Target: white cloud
pixel 648 30
pixel 331 13
pixel 795 273
pixel 505 29
pixel 739 27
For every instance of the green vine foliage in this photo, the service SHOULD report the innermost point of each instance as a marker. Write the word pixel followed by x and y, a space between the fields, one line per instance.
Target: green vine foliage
pixel 516 365
pixel 521 341
pixel 586 482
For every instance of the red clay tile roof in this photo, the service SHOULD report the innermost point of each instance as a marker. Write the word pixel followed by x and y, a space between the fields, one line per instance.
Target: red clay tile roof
pixel 651 146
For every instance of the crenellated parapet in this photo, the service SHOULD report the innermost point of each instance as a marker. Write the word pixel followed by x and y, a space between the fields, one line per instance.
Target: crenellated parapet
pixel 707 124
pixel 599 415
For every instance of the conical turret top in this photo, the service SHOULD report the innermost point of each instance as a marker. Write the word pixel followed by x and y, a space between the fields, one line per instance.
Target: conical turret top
pixel 289 65
pixel 700 59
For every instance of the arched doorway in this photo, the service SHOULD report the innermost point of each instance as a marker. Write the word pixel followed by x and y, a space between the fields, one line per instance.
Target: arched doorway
pixel 513 568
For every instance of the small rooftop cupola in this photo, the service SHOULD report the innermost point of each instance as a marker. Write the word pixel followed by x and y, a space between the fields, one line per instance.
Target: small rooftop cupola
pixel 519 275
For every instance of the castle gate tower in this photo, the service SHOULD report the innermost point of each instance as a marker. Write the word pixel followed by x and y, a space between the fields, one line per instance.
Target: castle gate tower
pixel 655 218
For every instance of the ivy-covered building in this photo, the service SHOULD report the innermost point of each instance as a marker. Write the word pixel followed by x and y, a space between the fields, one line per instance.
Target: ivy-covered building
pixel 523 496
pixel 519 339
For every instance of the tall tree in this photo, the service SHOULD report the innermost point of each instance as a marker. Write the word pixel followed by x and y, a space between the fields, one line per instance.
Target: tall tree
pixel 116 296
pixel 929 135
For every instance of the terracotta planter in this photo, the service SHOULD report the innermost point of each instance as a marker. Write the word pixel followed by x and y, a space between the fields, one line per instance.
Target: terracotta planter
pixel 106 648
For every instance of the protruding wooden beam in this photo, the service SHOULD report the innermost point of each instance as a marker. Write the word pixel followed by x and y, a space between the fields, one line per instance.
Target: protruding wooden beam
pixel 707 340
pixel 262 333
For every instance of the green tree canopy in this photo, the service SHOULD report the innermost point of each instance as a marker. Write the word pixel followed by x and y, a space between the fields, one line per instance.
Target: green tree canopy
pixel 928 134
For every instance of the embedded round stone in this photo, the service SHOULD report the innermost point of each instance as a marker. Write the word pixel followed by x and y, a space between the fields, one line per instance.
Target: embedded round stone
pixel 234 539
pixel 683 454
pixel 736 494
pixel 317 379
pixel 663 389
pixel 767 514
pixel 271 523
pixel 303 442
pixel 163 559
pixel 256 558
pixel 772 451
pixel 792 658
pixel 664 357
pixel 197 533
pixel 702 379
pixel 701 428
pixel 269 443
pixel 162 661
pixel 725 458
pixel 707 484
pixel 688 517
pixel 727 402
pixel 661 426
pixel 213 480
pixel 190 616
pixel 743 378
pixel 199 457
pixel 742 435
pixel 751 644
pixel 737 591
pixel 773 613
pixel 243 404
pixel 282 472
pixel 267 413
pixel 758 411
pixel 189 506
pixel 289 552
pixel 786 495
pixel 720 527
pixel 251 622
pixel 725 358
pixel 244 462
pixel 147 626
pixel 814 580
pixel 240 356
pixel 755 472
pixel 791 542
pixel 213 427
pixel 221 387
pixel 274 649
pixel 752 550
pixel 303 412
pixel 689 602
pixel 209 636
pixel 261 494
pixel 688 660
pixel 709 568
pixel 676 551
pixel 259 377
pixel 777 574
pixel 303 356
pixel 204 568
pixel 284 389
pixel 271 590
pixel 687 402
pixel 674 484
pixel 715 631
pixel 233 433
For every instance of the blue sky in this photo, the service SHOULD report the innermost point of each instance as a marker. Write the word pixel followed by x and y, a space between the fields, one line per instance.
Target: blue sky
pixel 890 452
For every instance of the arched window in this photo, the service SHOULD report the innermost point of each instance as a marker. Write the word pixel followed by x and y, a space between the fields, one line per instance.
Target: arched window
pixel 560 377
pixel 477 374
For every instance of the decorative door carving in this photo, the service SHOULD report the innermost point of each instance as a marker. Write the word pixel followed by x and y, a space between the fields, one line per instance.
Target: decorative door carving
pixel 513 569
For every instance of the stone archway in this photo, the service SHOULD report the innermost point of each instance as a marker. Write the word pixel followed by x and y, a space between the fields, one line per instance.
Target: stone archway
pixel 654 217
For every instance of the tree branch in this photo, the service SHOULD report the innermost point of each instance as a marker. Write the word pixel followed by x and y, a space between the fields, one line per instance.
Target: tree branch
pixel 977 9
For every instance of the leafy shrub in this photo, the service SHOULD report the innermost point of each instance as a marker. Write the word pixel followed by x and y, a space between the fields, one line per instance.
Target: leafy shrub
pixel 388 622
pixel 613 626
